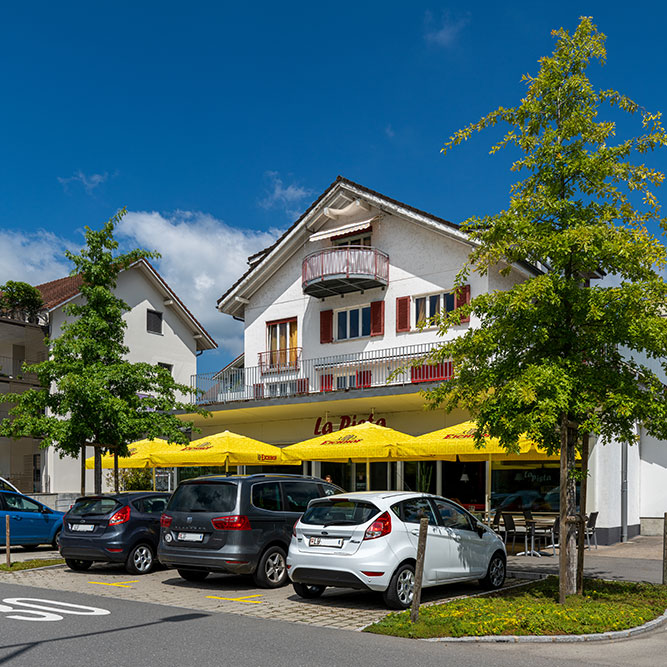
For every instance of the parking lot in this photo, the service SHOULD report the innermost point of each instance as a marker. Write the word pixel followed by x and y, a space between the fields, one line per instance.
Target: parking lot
pixel 337 608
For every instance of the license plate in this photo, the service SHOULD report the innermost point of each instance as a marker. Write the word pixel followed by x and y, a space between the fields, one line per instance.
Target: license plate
pixel 83 527
pixel 191 537
pixel 326 542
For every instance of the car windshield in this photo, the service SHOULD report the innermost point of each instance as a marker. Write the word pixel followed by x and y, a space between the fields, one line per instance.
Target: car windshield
pixel 204 497
pixel 342 512
pixel 93 506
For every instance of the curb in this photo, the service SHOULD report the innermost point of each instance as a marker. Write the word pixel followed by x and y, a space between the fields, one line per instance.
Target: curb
pixel 558 639
pixel 32 569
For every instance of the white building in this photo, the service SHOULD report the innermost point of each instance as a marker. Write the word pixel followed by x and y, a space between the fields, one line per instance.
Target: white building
pixel 331 312
pixel 160 330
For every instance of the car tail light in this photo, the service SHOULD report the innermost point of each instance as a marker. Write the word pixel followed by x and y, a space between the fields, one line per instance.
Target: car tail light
pixel 114 551
pixel 232 522
pixel 121 516
pixel 294 528
pixel 165 520
pixel 381 526
pixel 372 574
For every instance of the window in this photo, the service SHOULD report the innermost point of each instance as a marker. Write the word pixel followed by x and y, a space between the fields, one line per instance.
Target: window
pixel 167 367
pixel 360 239
pixel 152 505
pixel 353 323
pixel 281 343
pixel 414 510
pixel 153 321
pixel 267 496
pixel 299 494
pixel 451 516
pixel 15 503
pixel 432 305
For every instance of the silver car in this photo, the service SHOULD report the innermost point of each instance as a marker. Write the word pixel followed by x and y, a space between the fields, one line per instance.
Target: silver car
pixel 368 540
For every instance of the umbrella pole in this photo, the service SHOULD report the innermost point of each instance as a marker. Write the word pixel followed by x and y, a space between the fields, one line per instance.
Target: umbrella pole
pixel 154 483
pixel 115 472
pixel 368 475
pixel 487 494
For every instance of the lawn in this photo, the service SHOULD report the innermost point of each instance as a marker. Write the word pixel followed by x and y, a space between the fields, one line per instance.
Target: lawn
pixel 534 610
pixel 30 564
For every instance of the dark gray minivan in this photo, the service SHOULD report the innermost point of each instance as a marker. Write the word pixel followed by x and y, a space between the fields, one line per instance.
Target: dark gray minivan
pixel 240 525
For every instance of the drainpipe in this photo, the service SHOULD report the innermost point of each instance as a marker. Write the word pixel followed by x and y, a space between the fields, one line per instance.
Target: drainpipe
pixel 624 492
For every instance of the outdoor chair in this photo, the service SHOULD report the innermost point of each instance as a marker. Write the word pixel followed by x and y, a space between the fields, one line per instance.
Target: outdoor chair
pixel 535 532
pixel 590 529
pixel 555 535
pixel 510 529
pixel 496 522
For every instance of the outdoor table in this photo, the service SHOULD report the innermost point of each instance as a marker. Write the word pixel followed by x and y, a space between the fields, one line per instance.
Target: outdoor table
pixel 539 522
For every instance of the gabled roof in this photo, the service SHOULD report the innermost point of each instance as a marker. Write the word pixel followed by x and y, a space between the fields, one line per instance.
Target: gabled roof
pixel 257 260
pixel 58 292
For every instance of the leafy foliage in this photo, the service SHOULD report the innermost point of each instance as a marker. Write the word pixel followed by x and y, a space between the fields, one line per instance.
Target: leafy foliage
pixel 91 394
pixel 561 347
pixel 19 296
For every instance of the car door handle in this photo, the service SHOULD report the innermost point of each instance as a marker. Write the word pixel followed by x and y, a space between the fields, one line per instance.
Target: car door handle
pixel 16 518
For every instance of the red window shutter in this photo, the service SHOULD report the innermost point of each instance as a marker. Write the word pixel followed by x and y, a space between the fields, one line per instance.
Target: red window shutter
pixel 377 318
pixel 463 299
pixel 363 379
pixel 402 314
pixel 326 382
pixel 431 373
pixel 326 326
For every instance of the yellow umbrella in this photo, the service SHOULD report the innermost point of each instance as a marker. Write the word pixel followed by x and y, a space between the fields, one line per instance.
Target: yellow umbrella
pixel 141 455
pixel 362 442
pixel 448 443
pixel 224 448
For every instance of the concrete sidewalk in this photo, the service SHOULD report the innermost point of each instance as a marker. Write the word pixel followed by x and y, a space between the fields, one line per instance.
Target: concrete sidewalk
pixel 639 559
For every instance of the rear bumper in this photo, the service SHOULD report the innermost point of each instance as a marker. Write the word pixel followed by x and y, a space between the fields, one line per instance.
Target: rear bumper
pixel 96 550
pixel 321 577
pixel 232 561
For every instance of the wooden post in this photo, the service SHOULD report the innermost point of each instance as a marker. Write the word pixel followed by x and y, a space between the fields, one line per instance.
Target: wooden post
pixel 583 494
pixel 7 547
pixel 664 550
pixel 419 570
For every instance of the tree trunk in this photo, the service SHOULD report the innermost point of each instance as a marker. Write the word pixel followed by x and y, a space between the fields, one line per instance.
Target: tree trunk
pixel 98 470
pixel 83 470
pixel 567 566
pixel 581 540
pixel 115 472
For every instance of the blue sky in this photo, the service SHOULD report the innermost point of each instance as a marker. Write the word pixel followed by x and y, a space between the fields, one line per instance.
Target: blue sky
pixel 217 124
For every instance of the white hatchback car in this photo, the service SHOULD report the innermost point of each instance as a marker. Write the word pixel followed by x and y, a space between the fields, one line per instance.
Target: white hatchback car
pixel 368 540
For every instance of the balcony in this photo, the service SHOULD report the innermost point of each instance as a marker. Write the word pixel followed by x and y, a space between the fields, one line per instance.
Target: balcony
pixel 278 361
pixel 11 370
pixel 341 270
pixel 362 371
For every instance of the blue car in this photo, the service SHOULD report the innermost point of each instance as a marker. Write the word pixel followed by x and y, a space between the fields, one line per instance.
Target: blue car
pixel 30 522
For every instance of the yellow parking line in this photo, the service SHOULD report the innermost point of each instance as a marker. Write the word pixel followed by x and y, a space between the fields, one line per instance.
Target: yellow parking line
pixel 120 585
pixel 245 598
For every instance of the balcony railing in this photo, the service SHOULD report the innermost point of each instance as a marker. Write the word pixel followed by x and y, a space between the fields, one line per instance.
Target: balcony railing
pixel 362 371
pixel 41 318
pixel 12 370
pixel 277 361
pixel 345 269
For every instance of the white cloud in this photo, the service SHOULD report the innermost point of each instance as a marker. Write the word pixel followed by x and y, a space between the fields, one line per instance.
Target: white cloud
pixel 444 32
pixel 284 197
pixel 34 258
pixel 201 258
pixel 89 182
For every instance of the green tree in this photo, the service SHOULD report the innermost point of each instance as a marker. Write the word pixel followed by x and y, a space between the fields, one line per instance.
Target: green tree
pixel 91 395
pixel 559 356
pixel 22 297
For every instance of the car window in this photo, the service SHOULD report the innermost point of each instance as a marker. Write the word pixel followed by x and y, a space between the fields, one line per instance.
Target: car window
pixel 342 512
pixel 331 489
pixel 93 506
pixel 204 497
pixel 154 504
pixel 15 503
pixel 414 510
pixel 266 496
pixel 299 494
pixel 451 516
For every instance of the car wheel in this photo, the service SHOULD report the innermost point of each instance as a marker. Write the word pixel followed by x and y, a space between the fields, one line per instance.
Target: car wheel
pixel 77 564
pixel 401 588
pixel 140 560
pixel 272 569
pixel 193 575
pixel 495 573
pixel 56 539
pixel 309 591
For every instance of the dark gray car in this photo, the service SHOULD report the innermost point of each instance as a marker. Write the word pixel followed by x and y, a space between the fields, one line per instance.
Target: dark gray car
pixel 240 525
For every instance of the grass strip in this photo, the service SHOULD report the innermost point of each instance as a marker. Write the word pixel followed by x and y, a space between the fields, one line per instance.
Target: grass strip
pixel 30 564
pixel 534 610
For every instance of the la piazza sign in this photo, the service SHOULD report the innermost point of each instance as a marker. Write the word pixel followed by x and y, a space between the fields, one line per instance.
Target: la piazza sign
pixel 324 426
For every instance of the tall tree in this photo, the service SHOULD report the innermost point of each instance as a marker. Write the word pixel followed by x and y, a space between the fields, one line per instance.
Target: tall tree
pixel 91 395
pixel 559 356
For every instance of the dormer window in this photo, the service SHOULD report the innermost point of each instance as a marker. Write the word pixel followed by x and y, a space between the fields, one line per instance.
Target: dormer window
pixel 356 240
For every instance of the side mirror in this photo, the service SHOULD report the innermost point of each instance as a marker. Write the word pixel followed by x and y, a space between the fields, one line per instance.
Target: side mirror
pixel 481 530
pixel 45 510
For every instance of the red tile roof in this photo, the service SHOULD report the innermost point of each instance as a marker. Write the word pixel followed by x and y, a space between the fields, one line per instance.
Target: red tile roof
pixel 58 291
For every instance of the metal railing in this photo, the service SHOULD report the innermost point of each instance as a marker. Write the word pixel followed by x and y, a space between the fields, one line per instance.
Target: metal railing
pixel 41 317
pixel 12 369
pixel 346 261
pixel 364 370
pixel 276 361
